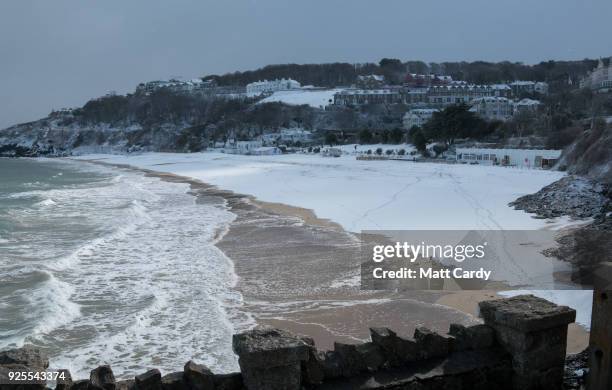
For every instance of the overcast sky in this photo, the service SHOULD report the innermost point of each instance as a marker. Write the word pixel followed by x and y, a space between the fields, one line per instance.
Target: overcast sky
pixel 56 53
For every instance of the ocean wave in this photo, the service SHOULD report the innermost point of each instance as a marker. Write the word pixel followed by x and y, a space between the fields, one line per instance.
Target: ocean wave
pixel 55 309
pixel 45 203
pixel 138 253
pixel 137 215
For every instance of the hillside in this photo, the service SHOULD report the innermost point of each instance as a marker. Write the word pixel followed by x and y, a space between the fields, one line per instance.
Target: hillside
pixel 394 70
pixel 591 155
pixel 161 121
pixel 165 120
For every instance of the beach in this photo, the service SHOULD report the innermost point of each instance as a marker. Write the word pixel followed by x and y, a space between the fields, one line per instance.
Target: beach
pixel 299 271
pixel 175 253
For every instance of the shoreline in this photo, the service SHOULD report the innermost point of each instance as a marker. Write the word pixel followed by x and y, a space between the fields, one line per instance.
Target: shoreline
pixel 328 319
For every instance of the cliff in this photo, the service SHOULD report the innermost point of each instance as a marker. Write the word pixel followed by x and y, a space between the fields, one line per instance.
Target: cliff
pixel 590 155
pixel 159 121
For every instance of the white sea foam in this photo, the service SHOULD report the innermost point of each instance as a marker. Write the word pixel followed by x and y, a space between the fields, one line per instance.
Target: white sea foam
pixel 135 279
pixel 53 306
pixel 45 203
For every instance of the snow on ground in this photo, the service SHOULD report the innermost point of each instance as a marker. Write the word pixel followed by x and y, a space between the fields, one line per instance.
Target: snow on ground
pixel 315 98
pixel 362 195
pixel 357 148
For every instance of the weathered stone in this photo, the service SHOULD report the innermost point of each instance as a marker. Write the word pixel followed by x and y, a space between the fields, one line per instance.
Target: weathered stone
pixel 600 342
pixel 231 381
pixel 312 369
pixel 28 356
pixel 64 380
pixel 351 360
pixel 102 378
pixel 150 380
pixel 371 355
pixel 268 347
pixel 534 332
pixel 274 378
pixel 396 350
pixel 173 381
pixel 270 358
pixel 82 384
pixel 128 384
pixel 331 365
pixel 7 384
pixel 431 344
pixel 473 337
pixel 198 376
pixel 526 313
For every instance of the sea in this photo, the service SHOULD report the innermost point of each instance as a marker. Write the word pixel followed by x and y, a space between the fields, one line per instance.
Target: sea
pixel 108 265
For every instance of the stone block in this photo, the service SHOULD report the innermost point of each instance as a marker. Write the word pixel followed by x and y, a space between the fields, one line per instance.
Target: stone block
pixel 351 360
pixel 534 331
pixel 128 384
pixel 198 376
pixel 173 381
pixel 473 337
pixel 396 350
pixel 271 358
pixel 28 356
pixel 286 377
pixel 5 371
pixel 431 344
pixel 600 342
pixel 63 383
pixel 102 378
pixel 231 381
pixel 313 371
pixel 332 367
pixel 82 384
pixel 150 380
pixel 371 355
pixel 267 347
pixel 526 313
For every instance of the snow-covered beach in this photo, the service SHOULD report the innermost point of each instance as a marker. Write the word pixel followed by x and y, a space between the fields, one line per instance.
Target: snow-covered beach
pixel 362 195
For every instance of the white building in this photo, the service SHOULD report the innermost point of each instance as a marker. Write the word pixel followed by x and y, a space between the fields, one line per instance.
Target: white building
pixel 371 81
pixel 359 97
pixel 247 147
pixel 259 87
pixel 541 88
pixel 492 108
pixel 524 158
pixel 502 90
pixel 600 79
pixel 265 151
pixel 526 106
pixel 446 95
pixel 520 87
pixel 295 135
pixel 270 138
pixel 417 117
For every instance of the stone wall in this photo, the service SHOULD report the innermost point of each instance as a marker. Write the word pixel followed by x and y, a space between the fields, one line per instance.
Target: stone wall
pixel 521 345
